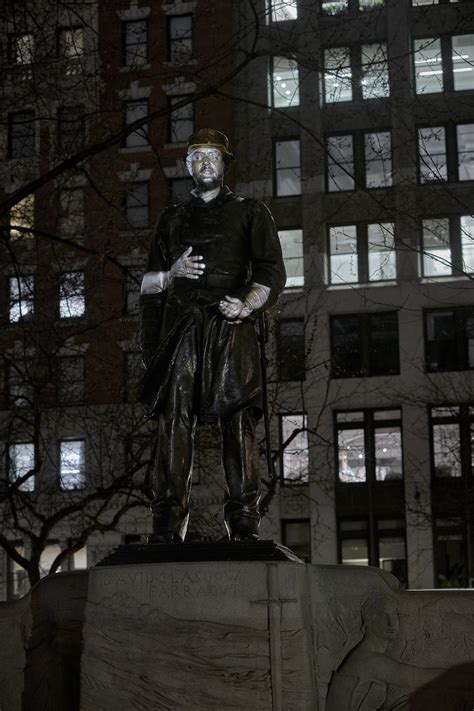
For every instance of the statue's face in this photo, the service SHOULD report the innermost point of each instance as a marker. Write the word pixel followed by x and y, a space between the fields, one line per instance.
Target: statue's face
pixel 207 167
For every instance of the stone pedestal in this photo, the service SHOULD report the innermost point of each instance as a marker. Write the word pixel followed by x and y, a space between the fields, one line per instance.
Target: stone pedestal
pixel 208 635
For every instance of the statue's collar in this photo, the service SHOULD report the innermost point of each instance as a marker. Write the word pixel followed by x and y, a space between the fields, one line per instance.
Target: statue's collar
pixel 221 197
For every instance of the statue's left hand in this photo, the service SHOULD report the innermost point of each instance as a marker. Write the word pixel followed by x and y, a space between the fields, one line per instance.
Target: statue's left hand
pixel 231 307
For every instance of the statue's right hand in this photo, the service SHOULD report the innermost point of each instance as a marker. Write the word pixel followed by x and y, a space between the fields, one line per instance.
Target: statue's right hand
pixel 187 266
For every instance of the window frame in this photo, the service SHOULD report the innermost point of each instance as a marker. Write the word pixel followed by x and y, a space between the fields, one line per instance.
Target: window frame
pixel 286 139
pixel 284 522
pixel 30 489
pixel 284 481
pixel 171 41
pixel 301 372
pixel 272 84
pixel 446 49
pixel 30 314
pixel 358 159
pixel 62 281
pixel 452 156
pixel 294 228
pixel 170 121
pixel 356 67
pixel 128 189
pixel 362 253
pixel 455 245
pixel 30 135
pixel 466 448
pixel 83 471
pixel 127 105
pixel 125 46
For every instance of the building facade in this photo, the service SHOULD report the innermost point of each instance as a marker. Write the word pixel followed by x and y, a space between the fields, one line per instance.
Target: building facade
pixel 354 121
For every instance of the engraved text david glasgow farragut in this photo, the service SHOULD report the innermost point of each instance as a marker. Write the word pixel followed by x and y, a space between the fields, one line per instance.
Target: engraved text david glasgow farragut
pixel 174 584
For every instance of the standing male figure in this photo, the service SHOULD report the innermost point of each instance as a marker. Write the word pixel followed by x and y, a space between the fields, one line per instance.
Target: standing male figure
pixel 215 262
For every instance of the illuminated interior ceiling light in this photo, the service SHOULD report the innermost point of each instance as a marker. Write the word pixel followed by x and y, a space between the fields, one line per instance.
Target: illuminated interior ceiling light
pixel 455 57
pixel 430 74
pixel 361 456
pixel 283 85
pixel 384 449
pixel 429 60
pixel 463 69
pixel 278 78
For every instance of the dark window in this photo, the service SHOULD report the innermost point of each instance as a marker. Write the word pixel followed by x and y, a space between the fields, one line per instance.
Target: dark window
pixel 359 160
pixel 365 345
pixel 181 121
pixel 450 553
pixel 369 446
pixel 290 349
pixel 21 134
pixel 17 578
pixel 180 38
pixel 19 383
pixel 132 290
pixel 135 43
pixel 385 548
pixel 71 380
pixel 287 164
pixel 447 246
pixel 136 204
pixel 452 441
pixel 71 128
pixel 179 189
pixel 449 339
pixel 296 535
pixel 133 375
pixel 134 111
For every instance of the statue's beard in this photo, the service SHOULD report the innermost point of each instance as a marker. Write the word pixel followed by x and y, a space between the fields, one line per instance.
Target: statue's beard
pixel 210 182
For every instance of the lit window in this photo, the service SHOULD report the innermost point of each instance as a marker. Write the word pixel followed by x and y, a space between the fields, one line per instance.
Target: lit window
pixel 21 463
pixel 290 349
pixel 294 440
pixel 343 255
pixel 71 464
pixel 135 43
pixel 374 65
pixel 449 344
pixel 71 48
pixel 364 345
pixel 465 145
pixel 283 10
pixel 337 75
pixel 179 189
pixel 136 204
pixel 296 535
pixel 467 243
pixel 21 49
pixel 21 293
pixel 21 134
pixel 370 4
pixel 340 163
pixel 71 380
pixel 334 7
pixel 181 121
pixel 428 65
pixel 71 128
pixel 463 62
pixel 378 159
pixel 47 558
pixel 180 38
pixel 72 302
pixel 71 212
pixel 362 253
pixel 22 215
pixel 432 157
pixel 285 83
pixel 134 111
pixel 17 581
pixel 287 168
pixel 381 248
pixel 452 445
pixel 436 248
pixel 359 433
pixel 292 247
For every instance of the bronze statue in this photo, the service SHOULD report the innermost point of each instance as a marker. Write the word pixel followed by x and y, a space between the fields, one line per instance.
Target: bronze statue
pixel 215 263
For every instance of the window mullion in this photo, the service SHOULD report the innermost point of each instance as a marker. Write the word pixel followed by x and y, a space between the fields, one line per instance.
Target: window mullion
pixel 451 152
pixel 447 62
pixel 455 244
pixel 370 477
pixel 363 253
pixel 356 72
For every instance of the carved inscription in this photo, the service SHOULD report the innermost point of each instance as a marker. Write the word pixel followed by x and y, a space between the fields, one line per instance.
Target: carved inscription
pixel 174 584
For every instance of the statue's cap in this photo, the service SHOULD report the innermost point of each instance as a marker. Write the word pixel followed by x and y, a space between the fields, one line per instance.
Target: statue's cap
pixel 210 138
